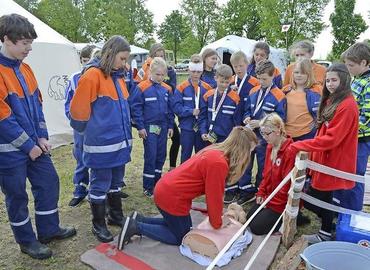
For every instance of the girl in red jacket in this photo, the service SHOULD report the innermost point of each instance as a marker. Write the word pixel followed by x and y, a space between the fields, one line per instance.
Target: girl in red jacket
pixel 335 144
pixel 278 163
pixel 202 174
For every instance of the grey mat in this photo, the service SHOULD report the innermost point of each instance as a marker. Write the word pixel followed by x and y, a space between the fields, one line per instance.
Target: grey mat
pixel 164 257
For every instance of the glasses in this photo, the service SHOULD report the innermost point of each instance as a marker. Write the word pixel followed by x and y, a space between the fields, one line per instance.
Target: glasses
pixel 265 134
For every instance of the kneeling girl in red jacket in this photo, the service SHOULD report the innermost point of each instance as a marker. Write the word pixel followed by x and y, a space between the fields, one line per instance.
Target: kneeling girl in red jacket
pixel 205 173
pixel 278 163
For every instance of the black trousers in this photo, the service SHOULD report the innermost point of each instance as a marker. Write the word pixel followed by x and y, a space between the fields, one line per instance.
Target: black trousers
pixel 264 220
pixel 325 215
pixel 175 146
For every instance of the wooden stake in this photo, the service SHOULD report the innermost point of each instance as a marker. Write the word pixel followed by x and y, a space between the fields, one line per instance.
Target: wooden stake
pixel 290 223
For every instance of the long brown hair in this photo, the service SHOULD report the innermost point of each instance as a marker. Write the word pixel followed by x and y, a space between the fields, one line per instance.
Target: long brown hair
pixel 237 149
pixel 329 102
pixel 111 48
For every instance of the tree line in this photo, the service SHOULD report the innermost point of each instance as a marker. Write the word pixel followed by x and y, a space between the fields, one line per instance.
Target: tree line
pixel 198 22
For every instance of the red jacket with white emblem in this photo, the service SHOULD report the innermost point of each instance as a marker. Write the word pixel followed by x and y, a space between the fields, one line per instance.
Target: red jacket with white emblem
pixel 274 173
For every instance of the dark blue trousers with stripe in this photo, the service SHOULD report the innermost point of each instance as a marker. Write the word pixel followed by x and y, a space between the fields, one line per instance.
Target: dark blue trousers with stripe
pixel 45 189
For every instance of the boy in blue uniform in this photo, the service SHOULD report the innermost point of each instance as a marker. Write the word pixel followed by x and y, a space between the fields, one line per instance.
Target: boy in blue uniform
pixel 81 174
pixel 24 146
pixel 187 101
pixel 263 100
pixel 357 60
pixel 242 83
pixel 218 118
pixel 154 120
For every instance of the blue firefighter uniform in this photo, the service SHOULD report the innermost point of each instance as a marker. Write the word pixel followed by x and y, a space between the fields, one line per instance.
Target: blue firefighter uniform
pixel 185 98
pixel 100 110
pixel 251 70
pixel 151 110
pixel 22 123
pixel 260 103
pixel 81 173
pixel 224 118
pixel 209 78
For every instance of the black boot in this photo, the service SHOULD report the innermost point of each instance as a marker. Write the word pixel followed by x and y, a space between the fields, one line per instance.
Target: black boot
pixel 99 227
pixel 115 215
pixel 129 229
pixel 36 250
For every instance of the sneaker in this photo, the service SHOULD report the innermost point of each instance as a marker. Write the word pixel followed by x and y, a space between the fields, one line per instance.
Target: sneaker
pixel 36 250
pixel 76 201
pixel 148 193
pixel 317 237
pixel 63 233
pixel 230 197
pixel 136 216
pixel 243 199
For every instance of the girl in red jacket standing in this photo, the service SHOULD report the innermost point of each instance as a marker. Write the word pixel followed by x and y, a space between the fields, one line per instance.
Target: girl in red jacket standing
pixel 278 163
pixel 206 173
pixel 335 144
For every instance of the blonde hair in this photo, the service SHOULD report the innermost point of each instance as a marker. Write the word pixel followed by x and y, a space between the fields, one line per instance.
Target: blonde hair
pixel 237 56
pixel 237 148
pixel 274 121
pixel 305 67
pixel 224 71
pixel 158 62
pixel 196 58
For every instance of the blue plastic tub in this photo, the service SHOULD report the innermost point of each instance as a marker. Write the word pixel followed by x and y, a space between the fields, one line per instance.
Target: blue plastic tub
pixel 336 255
pixel 345 232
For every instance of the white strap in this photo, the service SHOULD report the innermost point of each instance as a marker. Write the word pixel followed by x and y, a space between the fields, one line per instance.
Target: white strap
pixel 332 207
pixel 241 83
pixel 241 230
pixel 258 250
pixel 214 109
pixel 334 172
pixel 260 99
pixel 197 98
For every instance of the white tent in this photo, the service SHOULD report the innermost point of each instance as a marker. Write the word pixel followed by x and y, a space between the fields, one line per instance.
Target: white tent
pixel 231 43
pixel 53 59
pixel 137 53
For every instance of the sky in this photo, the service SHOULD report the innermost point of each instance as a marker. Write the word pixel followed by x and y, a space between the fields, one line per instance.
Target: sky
pixel 323 43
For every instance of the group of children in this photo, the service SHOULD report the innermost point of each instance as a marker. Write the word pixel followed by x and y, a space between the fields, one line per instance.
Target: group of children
pixel 313 111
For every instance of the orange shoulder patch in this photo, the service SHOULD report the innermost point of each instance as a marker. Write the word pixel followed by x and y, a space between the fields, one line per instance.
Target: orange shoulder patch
pixel 276 72
pixel 181 87
pixel 278 94
pixel 254 89
pixel 234 96
pixel 206 85
pixel 165 85
pixel 253 81
pixel 144 85
pixel 208 94
pixel 317 87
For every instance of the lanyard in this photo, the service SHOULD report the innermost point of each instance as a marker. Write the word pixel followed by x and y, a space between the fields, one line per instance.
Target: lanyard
pixel 260 100
pixel 241 83
pixel 214 109
pixel 197 98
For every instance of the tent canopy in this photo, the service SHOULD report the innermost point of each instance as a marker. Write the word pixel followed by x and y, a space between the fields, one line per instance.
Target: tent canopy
pixel 232 43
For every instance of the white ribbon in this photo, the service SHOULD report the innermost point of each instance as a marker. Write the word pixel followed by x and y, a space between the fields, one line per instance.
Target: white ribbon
pixel 214 109
pixel 195 66
pixel 260 100
pixel 241 83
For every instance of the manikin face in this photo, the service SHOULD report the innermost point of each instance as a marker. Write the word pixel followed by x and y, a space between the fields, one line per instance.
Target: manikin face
pixel 259 55
pixel 222 83
pixel 356 69
pixel 211 61
pixel 158 74
pixel 299 78
pixel 265 80
pixel 332 81
pixel 19 50
pixel 240 68
pixel 120 60
pixel 300 54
